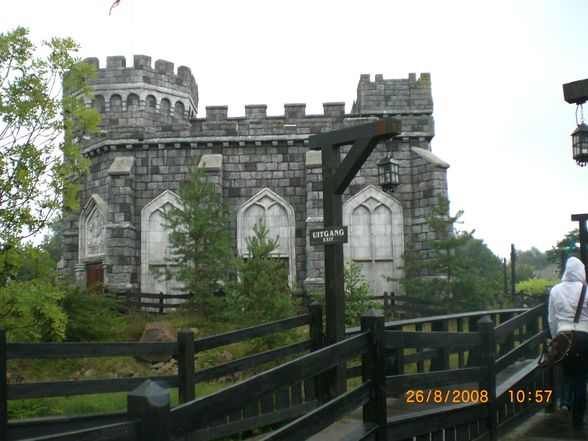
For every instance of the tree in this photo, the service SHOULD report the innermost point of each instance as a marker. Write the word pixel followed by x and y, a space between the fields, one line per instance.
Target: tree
pixel 261 292
pixel 565 248
pixel 199 240
pixel 30 304
pixel 459 271
pixel 357 293
pixel 39 156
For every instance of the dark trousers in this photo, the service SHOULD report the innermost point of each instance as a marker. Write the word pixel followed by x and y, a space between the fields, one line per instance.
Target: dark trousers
pixel 575 376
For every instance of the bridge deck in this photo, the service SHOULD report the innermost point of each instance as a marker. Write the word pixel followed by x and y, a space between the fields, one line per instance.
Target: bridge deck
pixel 547 427
pixel 541 427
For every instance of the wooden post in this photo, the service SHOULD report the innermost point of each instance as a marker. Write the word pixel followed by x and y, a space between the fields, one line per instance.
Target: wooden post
pixel 551 374
pixel 160 302
pixel 488 377
pixel 186 365
pixel 320 383
pixel 373 368
pixel 441 363
pixel 150 403
pixel 386 306
pixel 509 341
pixel 3 388
pixel 474 354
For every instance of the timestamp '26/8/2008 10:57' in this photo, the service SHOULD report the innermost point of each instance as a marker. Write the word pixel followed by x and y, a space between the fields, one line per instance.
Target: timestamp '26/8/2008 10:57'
pixel 453 396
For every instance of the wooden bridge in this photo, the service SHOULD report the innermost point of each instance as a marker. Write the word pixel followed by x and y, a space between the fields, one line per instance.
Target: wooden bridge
pixel 460 377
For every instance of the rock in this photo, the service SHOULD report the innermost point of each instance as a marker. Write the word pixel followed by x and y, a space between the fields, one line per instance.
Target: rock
pixel 158 365
pixel 157 332
pixel 125 373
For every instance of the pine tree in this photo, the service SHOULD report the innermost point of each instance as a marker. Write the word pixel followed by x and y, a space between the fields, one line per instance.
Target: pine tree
pixel 455 270
pixel 199 241
pixel 261 292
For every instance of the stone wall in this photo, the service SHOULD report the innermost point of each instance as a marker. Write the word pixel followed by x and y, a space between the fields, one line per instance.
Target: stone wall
pixel 142 153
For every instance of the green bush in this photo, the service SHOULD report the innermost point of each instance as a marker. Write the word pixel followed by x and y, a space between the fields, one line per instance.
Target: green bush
pixel 92 316
pixel 535 287
pixel 358 294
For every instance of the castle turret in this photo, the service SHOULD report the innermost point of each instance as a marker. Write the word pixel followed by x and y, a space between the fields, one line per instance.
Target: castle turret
pixel 139 101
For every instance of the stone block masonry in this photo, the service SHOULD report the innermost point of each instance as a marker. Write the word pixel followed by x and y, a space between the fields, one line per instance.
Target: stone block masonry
pixel 260 165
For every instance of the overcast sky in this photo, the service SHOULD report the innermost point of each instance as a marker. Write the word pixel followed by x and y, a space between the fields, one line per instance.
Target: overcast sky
pixel 497 69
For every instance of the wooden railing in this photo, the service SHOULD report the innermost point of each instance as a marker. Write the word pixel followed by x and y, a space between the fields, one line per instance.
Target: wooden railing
pixel 151 302
pixel 186 379
pixel 438 353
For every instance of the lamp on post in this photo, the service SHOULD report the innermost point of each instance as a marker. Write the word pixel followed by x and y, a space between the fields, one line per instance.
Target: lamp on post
pixel 580 144
pixel 388 174
pixel 577 93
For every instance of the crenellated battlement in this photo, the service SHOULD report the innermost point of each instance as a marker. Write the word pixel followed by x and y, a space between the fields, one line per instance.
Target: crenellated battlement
pixel 394 95
pixel 153 100
pixel 153 91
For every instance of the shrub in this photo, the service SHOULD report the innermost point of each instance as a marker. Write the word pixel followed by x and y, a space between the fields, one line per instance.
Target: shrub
pixel 91 316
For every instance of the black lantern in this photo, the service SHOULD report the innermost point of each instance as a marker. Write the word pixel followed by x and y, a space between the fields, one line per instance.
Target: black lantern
pixel 580 144
pixel 388 174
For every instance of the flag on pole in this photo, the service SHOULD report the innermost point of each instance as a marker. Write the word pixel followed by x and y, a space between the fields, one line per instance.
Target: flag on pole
pixel 114 5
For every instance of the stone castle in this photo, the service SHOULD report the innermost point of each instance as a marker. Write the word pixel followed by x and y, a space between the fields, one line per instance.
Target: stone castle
pixel 260 165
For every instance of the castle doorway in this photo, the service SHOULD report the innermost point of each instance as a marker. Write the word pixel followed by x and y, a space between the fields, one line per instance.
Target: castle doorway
pixel 94 275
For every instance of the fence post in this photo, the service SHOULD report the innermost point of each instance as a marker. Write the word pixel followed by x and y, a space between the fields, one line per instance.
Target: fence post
pixel 160 302
pixel 386 306
pixel 473 354
pixel 186 365
pixel 150 403
pixel 374 368
pixel 317 341
pixel 441 363
pixel 551 374
pixel 488 378
pixel 3 388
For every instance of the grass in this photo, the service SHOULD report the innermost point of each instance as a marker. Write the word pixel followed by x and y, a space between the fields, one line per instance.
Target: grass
pixel 48 370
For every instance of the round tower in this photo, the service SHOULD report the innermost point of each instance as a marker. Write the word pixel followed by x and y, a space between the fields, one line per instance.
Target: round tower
pixel 139 101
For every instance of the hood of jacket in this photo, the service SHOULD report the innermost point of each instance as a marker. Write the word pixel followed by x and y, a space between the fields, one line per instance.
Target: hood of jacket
pixel 575 271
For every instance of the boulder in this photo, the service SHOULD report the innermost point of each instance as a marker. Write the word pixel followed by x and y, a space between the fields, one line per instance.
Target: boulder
pixel 157 332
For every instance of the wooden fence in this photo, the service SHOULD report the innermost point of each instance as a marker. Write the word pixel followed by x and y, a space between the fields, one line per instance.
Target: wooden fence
pixel 480 346
pixel 257 413
pixel 151 302
pixel 395 307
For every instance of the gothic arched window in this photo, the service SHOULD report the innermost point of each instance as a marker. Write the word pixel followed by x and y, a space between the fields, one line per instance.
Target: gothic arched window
pixel 278 217
pixel 155 251
pixel 376 237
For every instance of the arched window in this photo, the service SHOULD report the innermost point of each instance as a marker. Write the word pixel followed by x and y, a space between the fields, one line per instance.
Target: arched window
pixel 150 103
pixel 164 107
pixel 376 237
pixel 115 103
pixel 155 250
pixel 98 103
pixel 278 217
pixel 179 110
pixel 132 103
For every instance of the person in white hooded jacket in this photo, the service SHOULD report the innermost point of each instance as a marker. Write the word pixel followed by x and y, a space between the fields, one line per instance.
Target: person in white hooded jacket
pixel 563 301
